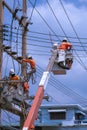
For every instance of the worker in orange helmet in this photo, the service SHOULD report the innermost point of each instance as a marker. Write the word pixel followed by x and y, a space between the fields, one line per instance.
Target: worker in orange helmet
pixel 63 49
pixel 32 64
pixel 13 76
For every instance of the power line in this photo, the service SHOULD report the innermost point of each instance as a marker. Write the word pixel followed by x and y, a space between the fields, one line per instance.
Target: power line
pixel 64 89
pixel 71 23
pixel 45 21
pixel 56 19
pixel 43 38
pixel 76 35
pixel 33 10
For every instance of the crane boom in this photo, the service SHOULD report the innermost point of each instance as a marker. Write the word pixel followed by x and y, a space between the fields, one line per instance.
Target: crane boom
pixel 66 58
pixel 32 115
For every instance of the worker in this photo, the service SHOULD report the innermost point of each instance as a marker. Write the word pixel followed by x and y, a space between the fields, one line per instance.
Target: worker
pixel 32 64
pixel 13 77
pixel 65 45
pixel 63 49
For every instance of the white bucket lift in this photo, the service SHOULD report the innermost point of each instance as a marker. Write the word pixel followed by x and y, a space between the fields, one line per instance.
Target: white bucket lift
pixel 62 62
pixel 58 70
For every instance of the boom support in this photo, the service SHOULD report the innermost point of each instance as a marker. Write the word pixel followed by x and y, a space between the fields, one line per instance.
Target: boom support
pixel 67 59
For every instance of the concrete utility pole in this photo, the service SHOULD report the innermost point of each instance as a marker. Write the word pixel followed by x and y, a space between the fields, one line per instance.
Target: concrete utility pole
pixel 23 22
pixel 24 32
pixel 1 42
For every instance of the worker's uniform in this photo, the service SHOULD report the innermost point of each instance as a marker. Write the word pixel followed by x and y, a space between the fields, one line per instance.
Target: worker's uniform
pixel 32 66
pixel 65 46
pixel 15 77
pixel 62 50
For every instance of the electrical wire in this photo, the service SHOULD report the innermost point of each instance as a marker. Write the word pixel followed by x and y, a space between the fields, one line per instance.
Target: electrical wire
pixel 71 24
pixel 64 89
pixel 76 35
pixel 56 18
pixel 45 21
pixel 33 10
pixel 44 38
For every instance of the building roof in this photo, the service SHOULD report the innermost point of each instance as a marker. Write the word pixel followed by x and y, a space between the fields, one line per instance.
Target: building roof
pixel 63 106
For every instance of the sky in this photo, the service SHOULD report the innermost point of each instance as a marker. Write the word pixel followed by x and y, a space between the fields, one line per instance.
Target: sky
pixel 74 25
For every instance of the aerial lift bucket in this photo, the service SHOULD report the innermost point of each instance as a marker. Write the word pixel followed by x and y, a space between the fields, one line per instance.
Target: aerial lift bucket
pixel 58 70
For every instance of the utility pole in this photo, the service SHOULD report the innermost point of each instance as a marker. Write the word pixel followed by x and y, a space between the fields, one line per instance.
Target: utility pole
pixel 24 24
pixel 24 32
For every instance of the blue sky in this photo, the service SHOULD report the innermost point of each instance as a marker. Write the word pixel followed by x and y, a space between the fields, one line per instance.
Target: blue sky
pixel 77 3
pixel 76 78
